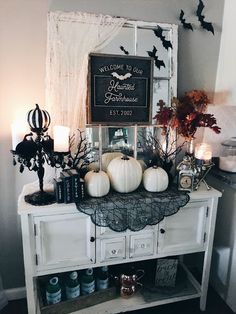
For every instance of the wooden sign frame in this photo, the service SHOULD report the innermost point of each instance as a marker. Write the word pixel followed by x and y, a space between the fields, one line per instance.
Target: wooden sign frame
pixel 120 89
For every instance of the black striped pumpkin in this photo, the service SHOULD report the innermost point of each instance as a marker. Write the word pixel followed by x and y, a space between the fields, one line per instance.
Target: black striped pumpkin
pixel 39 120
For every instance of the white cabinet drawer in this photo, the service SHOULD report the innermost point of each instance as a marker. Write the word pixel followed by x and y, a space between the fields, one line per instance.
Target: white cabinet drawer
pixel 141 245
pixel 106 231
pixel 113 249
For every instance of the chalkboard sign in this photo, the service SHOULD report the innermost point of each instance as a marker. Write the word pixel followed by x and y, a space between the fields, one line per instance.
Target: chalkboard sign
pixel 166 272
pixel 120 89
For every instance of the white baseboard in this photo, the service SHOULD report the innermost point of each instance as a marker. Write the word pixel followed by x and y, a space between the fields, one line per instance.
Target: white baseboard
pixel 15 293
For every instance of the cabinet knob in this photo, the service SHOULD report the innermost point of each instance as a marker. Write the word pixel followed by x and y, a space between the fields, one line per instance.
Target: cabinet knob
pixel 162 230
pixel 114 252
pixel 92 239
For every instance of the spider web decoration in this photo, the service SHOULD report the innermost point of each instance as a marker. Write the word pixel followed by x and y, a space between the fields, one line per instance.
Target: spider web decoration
pixel 134 210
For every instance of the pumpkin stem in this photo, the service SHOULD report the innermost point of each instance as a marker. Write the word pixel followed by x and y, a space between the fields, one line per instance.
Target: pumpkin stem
pixel 96 170
pixel 125 157
pixel 37 106
pixel 155 167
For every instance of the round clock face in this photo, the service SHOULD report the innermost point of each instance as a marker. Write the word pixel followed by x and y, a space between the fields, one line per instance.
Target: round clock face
pixel 185 182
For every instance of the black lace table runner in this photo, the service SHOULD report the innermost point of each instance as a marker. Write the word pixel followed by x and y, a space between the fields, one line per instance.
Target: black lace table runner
pixel 134 210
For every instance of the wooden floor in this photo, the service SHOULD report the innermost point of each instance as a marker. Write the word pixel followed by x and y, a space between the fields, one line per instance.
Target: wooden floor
pixel 215 305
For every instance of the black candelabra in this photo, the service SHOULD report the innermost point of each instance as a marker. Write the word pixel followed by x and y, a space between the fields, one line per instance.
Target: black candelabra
pixel 36 150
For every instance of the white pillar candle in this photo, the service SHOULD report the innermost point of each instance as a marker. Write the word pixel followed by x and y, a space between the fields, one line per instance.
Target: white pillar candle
pixel 203 151
pixel 61 138
pixel 18 131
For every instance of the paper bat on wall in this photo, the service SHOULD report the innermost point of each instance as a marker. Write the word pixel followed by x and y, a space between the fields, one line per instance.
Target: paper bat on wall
pixel 166 43
pixel 158 63
pixel 183 21
pixel 123 49
pixel 121 77
pixel 206 25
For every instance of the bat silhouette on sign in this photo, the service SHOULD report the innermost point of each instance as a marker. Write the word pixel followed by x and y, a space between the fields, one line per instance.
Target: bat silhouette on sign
pixel 183 21
pixel 158 63
pixel 121 77
pixel 166 43
pixel 123 49
pixel 206 25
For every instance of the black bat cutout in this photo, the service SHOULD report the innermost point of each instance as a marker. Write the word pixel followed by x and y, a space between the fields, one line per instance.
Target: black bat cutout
pixel 166 43
pixel 183 21
pixel 123 49
pixel 206 25
pixel 158 63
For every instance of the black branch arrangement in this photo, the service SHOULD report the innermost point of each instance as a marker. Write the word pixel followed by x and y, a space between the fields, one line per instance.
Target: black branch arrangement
pixel 161 153
pixel 80 157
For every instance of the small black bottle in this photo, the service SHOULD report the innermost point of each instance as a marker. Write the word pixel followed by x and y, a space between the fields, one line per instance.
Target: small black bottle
pixel 102 279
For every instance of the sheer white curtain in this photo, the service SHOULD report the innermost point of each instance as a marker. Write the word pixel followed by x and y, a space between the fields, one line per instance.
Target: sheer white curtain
pixel 71 37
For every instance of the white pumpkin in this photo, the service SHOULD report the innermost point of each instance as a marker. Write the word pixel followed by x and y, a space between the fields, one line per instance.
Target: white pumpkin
pixel 97 183
pixel 155 179
pixel 125 174
pixel 107 158
pixel 142 164
pixel 93 166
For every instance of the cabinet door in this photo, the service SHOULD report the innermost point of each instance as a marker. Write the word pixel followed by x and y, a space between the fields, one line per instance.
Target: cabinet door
pixel 64 240
pixel 184 231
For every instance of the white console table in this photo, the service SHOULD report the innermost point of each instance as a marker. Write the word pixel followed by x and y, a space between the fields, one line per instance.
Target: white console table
pixel 58 238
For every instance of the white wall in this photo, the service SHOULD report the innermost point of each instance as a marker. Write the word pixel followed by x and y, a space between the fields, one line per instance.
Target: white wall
pixel 22 64
pixel 224 108
pixel 22 72
pixel 226 71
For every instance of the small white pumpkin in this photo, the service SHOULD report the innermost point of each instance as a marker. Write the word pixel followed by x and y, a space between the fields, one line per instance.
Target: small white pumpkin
pixel 97 183
pixel 155 179
pixel 107 158
pixel 125 174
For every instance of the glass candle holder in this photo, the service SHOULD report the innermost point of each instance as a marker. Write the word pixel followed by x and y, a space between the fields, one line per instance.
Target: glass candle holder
pixel 203 153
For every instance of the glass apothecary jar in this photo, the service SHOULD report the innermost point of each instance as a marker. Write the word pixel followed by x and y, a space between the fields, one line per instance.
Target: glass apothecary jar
pixel 227 160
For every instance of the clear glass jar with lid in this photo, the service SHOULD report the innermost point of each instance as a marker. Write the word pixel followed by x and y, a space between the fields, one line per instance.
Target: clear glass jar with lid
pixel 229 147
pixel 227 160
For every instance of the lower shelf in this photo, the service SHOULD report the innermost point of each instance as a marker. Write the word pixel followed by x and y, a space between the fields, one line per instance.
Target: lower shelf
pixel 79 303
pixel 189 289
